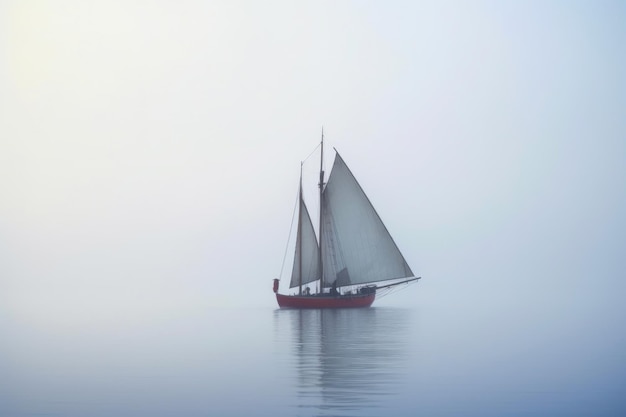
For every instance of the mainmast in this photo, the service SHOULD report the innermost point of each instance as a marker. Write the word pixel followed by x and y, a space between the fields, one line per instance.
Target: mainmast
pixel 321 185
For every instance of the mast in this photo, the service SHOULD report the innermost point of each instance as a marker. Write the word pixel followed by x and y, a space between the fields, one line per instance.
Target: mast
pixel 321 185
pixel 300 235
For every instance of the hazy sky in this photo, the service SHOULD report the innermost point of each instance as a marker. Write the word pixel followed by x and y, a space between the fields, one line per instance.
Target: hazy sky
pixel 149 150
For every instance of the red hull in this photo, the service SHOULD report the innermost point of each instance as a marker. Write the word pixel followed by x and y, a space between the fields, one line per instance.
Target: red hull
pixel 316 301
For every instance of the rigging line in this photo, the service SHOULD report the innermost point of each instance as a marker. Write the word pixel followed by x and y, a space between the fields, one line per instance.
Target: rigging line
pixel 293 215
pixel 312 152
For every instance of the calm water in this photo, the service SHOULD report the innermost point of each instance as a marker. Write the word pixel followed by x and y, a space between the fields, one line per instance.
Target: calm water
pixel 374 362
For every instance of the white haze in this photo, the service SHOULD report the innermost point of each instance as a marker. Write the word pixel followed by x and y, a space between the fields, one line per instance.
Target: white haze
pixel 149 151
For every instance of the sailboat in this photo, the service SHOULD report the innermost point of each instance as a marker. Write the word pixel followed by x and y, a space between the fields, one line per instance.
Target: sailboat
pixel 352 258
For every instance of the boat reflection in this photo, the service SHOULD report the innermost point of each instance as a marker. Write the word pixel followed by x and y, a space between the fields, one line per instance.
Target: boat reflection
pixel 347 360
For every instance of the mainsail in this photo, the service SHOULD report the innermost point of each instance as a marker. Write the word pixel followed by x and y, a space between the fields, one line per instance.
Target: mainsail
pixel 357 248
pixel 306 260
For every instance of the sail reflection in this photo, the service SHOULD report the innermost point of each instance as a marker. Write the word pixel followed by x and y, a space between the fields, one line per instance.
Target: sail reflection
pixel 347 360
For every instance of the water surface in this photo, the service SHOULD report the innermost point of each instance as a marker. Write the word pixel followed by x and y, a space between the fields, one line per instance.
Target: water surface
pixel 432 360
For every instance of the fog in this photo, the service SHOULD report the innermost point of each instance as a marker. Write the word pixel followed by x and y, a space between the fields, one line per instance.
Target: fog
pixel 150 152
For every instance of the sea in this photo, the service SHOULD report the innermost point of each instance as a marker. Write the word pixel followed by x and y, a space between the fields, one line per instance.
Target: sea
pixel 263 361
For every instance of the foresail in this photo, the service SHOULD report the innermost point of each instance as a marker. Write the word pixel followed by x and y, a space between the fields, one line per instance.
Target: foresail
pixel 307 251
pixel 357 248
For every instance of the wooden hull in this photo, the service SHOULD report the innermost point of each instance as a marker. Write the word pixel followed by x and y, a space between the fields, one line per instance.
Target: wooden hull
pixel 325 301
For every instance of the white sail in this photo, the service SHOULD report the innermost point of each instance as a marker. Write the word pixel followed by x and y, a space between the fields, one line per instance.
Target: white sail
pixel 306 261
pixel 356 247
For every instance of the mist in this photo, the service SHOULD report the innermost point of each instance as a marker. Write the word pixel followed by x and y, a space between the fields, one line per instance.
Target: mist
pixel 150 153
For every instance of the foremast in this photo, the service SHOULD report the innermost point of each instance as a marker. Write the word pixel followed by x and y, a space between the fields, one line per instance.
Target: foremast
pixel 301 203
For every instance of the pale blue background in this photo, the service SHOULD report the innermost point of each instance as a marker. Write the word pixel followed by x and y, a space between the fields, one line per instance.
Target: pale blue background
pixel 149 154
